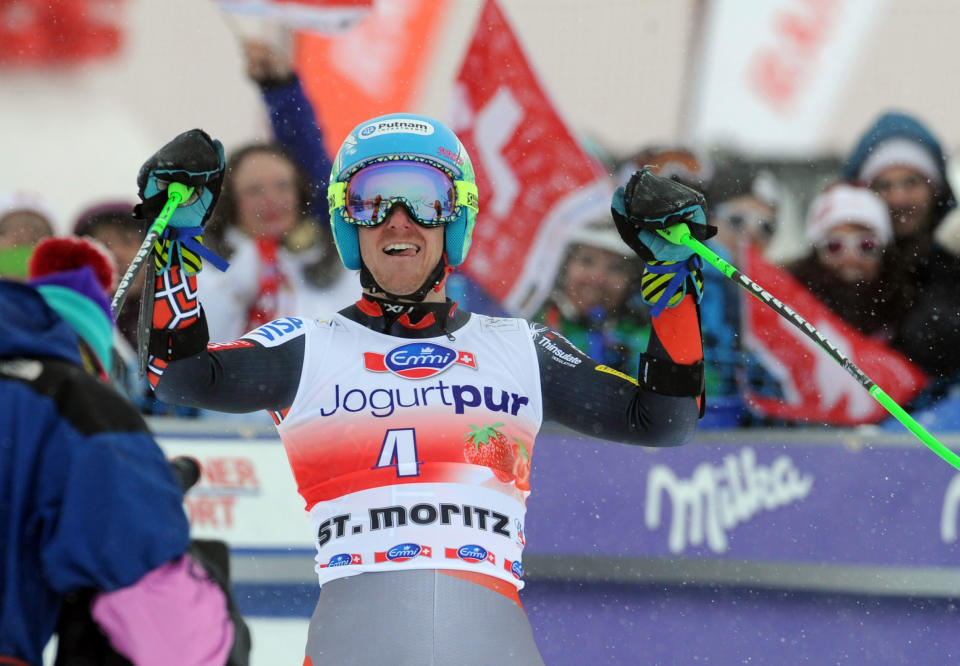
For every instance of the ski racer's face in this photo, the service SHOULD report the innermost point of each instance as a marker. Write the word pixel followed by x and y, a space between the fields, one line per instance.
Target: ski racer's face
pixel 400 254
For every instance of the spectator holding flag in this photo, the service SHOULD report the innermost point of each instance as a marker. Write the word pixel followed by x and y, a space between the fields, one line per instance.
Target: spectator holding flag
pixel 744 204
pixel 416 481
pixel 848 228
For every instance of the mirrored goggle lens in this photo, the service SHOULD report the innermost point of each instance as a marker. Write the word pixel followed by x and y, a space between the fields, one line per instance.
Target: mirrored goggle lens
pixel 427 192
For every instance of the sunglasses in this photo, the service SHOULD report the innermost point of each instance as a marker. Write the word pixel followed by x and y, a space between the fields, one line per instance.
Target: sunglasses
pixel 861 245
pixel 765 226
pixel 431 195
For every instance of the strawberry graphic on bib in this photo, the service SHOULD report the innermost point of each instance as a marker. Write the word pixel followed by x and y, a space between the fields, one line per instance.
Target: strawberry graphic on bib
pixel 488 447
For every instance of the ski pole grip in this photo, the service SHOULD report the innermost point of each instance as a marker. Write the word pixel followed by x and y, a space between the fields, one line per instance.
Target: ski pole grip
pixel 177 193
pixel 677 234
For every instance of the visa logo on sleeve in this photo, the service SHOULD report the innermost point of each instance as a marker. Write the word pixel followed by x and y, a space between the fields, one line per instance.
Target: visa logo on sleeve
pixel 277 331
pixel 418 360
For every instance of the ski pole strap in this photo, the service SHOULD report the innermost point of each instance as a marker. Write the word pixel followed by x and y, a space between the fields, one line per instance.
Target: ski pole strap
pixel 184 245
pixel 664 283
pixel 191 238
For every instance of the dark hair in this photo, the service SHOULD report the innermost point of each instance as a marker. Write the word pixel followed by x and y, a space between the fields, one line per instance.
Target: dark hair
pixel 631 307
pixel 108 213
pixel 319 273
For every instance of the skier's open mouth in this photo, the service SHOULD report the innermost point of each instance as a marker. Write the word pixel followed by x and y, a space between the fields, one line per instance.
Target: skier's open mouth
pixel 401 249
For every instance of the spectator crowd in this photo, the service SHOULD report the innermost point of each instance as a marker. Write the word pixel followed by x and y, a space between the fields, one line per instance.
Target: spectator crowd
pixel 878 244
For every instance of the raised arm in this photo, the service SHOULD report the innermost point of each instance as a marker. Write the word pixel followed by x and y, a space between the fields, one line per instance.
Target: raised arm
pixel 661 409
pixel 241 376
pixel 292 118
pixel 661 406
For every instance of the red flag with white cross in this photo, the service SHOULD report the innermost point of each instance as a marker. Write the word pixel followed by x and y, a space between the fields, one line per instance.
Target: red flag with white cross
pixel 536 183
pixel 815 387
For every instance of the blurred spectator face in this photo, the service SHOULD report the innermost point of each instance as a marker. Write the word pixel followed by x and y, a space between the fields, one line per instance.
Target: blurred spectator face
pixel 745 217
pixel 266 194
pixel 851 251
pixel 596 277
pixel 23 228
pixel 123 242
pixel 909 195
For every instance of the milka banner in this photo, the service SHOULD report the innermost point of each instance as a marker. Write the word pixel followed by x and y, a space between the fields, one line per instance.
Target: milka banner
pixel 536 183
pixel 776 496
pixel 807 498
pixel 770 72
pixel 816 388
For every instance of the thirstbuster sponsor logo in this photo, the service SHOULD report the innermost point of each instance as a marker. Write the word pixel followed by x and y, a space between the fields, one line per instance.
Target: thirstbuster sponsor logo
pixel 417 360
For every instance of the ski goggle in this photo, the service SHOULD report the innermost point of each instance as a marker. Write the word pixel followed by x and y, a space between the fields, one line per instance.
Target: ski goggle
pixel 861 245
pixel 430 194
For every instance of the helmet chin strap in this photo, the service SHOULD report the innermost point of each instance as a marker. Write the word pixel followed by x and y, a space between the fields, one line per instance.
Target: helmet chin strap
pixel 434 282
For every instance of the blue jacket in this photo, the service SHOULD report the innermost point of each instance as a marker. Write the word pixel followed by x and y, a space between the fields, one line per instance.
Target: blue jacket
pixel 894 124
pixel 87 498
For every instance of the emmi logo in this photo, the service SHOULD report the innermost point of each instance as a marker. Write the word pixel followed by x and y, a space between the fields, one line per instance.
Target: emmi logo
pixel 417 360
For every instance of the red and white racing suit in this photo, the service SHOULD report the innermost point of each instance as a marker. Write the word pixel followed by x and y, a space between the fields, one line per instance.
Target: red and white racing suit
pixel 409 430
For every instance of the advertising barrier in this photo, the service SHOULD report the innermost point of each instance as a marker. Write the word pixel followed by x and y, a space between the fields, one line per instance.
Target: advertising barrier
pixel 785 505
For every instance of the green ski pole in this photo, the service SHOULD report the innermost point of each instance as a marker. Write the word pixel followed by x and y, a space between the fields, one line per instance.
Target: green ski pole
pixel 680 234
pixel 177 193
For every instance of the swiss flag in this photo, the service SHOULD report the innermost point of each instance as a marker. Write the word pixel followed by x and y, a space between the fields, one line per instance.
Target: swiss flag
pixel 535 181
pixel 817 388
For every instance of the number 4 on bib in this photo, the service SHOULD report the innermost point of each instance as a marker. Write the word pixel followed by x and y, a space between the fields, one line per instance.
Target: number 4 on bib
pixel 399 450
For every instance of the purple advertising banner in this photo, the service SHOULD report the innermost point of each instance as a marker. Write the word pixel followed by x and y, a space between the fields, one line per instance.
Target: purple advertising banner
pixel 744 547
pixel 814 497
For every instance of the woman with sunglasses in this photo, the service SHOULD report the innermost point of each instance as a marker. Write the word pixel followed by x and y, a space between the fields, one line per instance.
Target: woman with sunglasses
pixel 744 201
pixel 408 423
pixel 848 228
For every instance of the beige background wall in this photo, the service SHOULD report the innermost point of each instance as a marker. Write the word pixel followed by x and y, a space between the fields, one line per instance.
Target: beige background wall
pixel 617 69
